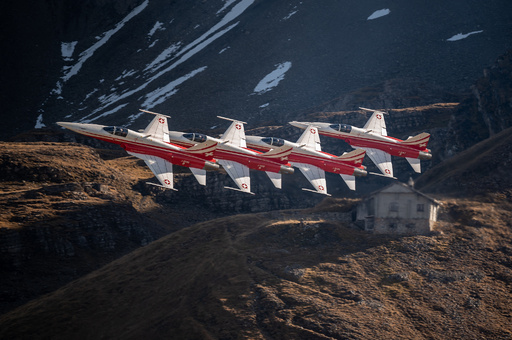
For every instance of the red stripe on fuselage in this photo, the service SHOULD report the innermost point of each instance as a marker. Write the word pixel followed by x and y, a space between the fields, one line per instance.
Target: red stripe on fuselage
pixel 393 148
pixel 172 155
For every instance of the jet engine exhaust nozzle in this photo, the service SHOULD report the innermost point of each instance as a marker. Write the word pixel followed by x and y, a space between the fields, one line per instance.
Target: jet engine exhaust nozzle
pixel 286 170
pixel 360 172
pixel 210 166
pixel 425 156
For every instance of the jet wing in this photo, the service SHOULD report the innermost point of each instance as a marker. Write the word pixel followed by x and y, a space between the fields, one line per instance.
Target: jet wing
pixel 158 128
pixel 381 159
pixel 160 167
pixel 315 176
pixel 376 123
pixel 239 173
pixel 310 138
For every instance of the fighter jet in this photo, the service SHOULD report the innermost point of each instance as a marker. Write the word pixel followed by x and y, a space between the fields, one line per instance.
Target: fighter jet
pixel 234 156
pixel 152 145
pixel 374 139
pixel 307 155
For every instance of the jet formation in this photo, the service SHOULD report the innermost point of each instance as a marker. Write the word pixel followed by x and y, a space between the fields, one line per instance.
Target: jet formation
pixel 237 153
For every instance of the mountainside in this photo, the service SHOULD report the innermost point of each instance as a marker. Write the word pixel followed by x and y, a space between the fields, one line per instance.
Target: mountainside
pixel 301 273
pixel 256 60
pixel 292 275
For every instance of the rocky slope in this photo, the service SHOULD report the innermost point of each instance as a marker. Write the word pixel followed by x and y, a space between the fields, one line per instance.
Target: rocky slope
pixel 307 274
pixel 67 209
pixel 293 275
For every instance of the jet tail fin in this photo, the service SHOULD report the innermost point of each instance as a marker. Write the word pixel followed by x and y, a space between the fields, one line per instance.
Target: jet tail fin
pixel 354 157
pixel 310 138
pixel 235 133
pixel 158 127
pixel 419 141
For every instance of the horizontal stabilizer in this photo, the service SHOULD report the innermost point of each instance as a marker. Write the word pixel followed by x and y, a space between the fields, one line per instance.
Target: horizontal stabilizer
pixel 276 178
pixel 280 153
pixel 354 157
pixel 200 175
pixel 415 164
pixel 350 180
pixel 419 141
pixel 205 149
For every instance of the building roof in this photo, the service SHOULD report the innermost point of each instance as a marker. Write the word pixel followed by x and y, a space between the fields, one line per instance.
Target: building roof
pixel 401 185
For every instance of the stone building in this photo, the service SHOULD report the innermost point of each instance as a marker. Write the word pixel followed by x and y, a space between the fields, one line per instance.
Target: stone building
pixel 397 209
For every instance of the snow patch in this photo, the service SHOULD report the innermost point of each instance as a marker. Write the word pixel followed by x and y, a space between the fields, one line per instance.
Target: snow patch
pixel 227 3
pixel 104 114
pixel 272 79
pixel 159 26
pixel 289 15
pixel 72 71
pixel 379 13
pixel 67 49
pixel 39 122
pixel 162 57
pixel 160 95
pixel 184 53
pixel 224 50
pixel 461 36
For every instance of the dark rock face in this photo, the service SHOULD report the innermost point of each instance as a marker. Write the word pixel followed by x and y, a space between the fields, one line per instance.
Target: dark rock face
pixel 488 111
pixel 333 49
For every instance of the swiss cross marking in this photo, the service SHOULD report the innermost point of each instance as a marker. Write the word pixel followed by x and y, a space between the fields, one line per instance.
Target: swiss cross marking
pixel 184 162
pixel 313 131
pixel 245 186
pixel 378 116
pixel 166 181
pixel 161 120
pixel 387 171
pixel 238 126
pixel 321 187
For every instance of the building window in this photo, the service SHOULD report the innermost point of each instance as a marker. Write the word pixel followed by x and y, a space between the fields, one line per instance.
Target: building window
pixel 420 207
pixel 393 206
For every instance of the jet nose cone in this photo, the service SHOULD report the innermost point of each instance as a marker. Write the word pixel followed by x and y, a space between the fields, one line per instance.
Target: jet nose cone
pixel 68 125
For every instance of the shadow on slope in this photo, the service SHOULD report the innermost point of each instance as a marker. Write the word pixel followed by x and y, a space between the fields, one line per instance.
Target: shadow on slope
pixel 292 274
pixel 483 169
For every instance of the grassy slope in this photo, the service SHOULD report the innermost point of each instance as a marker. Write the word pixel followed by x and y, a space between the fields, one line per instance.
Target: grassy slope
pixel 253 276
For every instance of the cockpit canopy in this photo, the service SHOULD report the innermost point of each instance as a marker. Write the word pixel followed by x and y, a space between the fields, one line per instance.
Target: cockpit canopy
pixel 341 127
pixel 273 141
pixel 196 137
pixel 116 130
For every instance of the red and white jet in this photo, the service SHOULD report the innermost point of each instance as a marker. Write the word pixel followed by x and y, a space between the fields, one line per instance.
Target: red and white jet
pixel 234 156
pixel 307 155
pixel 374 139
pixel 153 146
